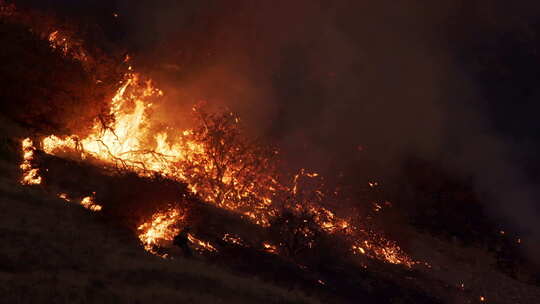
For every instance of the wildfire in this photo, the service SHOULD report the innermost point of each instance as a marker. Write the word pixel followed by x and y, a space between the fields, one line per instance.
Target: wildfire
pixel 162 227
pixel 160 230
pixel 233 239
pixel 214 159
pixel 216 164
pixel 383 249
pixel 201 245
pixel 270 248
pixel 30 174
pixel 67 45
pixel 87 202
pixel 211 169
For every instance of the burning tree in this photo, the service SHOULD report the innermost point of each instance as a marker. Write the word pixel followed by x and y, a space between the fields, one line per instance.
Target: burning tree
pixel 229 169
pixel 215 159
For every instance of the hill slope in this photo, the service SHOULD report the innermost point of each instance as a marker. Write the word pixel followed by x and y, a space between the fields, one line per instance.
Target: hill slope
pixel 58 253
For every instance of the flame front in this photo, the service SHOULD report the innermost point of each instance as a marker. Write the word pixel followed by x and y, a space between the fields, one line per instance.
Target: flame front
pixel 214 159
pixel 222 171
pixel 162 227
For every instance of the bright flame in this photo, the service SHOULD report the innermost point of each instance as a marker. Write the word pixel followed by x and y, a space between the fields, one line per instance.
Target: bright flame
pixel 162 227
pixel 219 168
pixel 201 245
pixel 270 248
pixel 30 175
pixel 87 202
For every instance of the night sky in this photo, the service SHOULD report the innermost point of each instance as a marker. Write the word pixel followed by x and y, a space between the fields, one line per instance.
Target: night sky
pixel 455 82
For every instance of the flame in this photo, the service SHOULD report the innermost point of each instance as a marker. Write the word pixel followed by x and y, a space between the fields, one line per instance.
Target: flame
pixel 162 227
pixel 213 159
pixel 87 202
pixel 233 239
pixel 67 45
pixel 201 245
pixel 192 156
pixel 270 248
pixel 30 175
pixel 383 249
pixel 64 196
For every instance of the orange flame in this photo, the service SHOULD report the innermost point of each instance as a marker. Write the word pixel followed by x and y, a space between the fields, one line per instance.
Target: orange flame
pixel 87 202
pixel 201 245
pixel 162 227
pixel 198 158
pixel 30 174
pixel 270 248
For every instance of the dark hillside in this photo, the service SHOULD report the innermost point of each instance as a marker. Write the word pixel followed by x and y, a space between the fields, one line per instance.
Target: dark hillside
pixel 54 252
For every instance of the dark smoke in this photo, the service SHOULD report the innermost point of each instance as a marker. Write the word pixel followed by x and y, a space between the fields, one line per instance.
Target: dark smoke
pixel 323 78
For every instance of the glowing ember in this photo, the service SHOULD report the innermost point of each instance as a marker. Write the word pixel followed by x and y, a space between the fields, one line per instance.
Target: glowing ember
pixel 233 239
pixel 87 202
pixel 383 249
pixel 64 196
pixel 270 248
pixel 30 174
pixel 67 45
pixel 201 245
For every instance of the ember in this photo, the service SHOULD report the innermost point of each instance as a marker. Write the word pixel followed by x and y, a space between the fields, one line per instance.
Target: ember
pixel 87 202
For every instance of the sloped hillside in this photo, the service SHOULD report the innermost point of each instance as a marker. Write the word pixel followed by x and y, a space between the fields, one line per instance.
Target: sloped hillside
pixel 53 252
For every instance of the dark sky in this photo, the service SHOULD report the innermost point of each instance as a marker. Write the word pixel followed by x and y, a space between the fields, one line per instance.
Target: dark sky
pixel 450 81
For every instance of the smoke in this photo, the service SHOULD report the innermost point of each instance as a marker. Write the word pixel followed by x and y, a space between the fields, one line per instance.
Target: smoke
pixel 352 84
pixel 341 85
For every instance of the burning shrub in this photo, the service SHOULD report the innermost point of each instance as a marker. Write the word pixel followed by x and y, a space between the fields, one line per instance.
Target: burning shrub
pixel 230 170
pixel 215 160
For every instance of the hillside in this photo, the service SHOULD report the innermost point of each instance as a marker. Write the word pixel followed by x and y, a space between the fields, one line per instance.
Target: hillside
pixel 58 253
pixel 429 248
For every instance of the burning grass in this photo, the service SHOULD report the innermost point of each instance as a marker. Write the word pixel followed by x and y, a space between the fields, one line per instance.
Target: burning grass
pixel 220 165
pixel 57 252
pixel 154 179
pixel 215 159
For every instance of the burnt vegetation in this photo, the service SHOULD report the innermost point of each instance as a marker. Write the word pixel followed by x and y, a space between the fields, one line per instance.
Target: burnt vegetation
pixel 44 90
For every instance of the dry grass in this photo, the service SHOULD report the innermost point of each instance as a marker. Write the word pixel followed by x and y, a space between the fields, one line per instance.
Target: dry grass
pixel 53 252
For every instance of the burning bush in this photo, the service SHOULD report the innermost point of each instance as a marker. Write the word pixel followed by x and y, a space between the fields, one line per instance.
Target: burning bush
pixel 214 160
pixel 230 170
